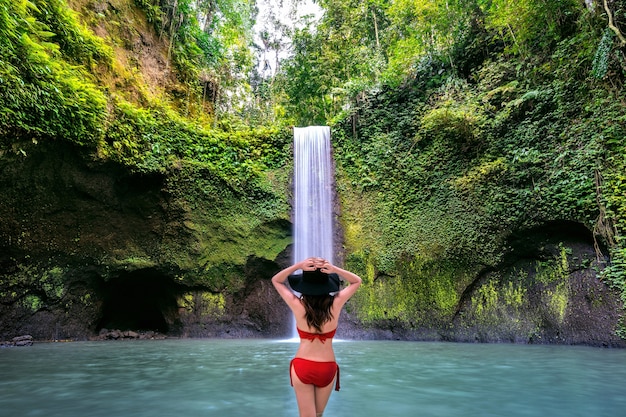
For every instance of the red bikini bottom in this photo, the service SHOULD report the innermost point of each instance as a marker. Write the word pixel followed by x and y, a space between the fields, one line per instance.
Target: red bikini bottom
pixel 319 374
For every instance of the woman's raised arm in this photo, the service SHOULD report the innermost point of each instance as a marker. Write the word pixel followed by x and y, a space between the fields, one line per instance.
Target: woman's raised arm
pixel 279 279
pixel 354 280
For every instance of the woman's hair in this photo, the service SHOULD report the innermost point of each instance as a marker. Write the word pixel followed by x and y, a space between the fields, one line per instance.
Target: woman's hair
pixel 317 309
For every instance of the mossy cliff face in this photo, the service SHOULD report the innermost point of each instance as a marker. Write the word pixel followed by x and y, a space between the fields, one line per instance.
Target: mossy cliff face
pixel 478 223
pixel 546 290
pixel 86 245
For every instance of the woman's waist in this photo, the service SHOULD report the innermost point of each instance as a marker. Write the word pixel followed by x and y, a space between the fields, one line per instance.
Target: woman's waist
pixel 315 353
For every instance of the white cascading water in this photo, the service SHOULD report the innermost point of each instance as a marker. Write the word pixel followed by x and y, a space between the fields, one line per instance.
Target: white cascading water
pixel 313 182
pixel 313 194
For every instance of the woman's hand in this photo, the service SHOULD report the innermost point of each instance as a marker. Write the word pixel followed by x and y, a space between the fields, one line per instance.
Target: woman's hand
pixel 311 264
pixel 326 267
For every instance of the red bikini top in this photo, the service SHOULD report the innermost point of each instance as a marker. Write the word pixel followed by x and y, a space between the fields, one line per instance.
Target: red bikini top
pixel 312 336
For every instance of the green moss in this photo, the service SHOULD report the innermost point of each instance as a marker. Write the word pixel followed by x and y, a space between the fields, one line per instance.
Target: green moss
pixel 496 302
pixel 134 263
pixel 554 278
pixel 415 292
pixel 453 121
pixel 221 224
pixel 558 300
pixel 485 302
pixel 53 282
pixel 86 300
pixel 32 303
pixel 514 295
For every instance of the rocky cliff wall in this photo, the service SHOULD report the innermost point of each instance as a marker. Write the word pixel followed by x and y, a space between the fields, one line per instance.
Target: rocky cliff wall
pixel 85 245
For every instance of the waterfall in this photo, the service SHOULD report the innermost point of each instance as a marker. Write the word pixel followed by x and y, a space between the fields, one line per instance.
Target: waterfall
pixel 313 182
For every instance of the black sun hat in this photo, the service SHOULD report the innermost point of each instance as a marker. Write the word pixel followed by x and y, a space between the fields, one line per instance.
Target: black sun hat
pixel 314 282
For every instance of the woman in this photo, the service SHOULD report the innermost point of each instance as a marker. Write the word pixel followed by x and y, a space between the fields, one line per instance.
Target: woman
pixel 314 369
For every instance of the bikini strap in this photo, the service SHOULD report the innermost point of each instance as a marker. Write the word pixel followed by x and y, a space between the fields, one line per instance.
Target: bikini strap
pixel 312 336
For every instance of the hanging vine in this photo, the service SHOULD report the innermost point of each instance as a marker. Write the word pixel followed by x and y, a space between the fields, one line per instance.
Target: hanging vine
pixel 612 25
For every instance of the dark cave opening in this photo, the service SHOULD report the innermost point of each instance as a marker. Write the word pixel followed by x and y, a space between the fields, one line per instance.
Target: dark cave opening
pixel 140 300
pixel 538 242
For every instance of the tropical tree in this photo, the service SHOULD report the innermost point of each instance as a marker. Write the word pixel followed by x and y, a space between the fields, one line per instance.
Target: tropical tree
pixel 335 60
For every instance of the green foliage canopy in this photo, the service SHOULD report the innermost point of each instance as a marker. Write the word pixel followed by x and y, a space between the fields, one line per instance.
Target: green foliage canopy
pixel 42 95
